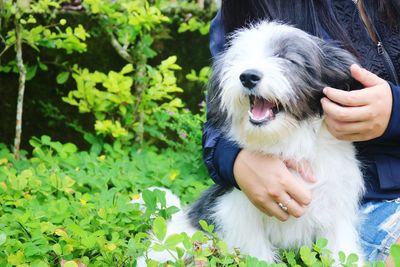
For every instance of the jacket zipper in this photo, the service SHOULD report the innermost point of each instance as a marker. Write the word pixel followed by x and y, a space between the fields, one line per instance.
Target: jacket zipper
pixel 385 55
pixel 388 62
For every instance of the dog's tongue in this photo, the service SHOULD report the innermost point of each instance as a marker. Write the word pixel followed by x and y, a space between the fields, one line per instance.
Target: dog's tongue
pixel 261 108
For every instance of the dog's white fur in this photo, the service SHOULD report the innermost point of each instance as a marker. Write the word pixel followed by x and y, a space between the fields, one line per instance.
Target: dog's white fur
pixel 333 212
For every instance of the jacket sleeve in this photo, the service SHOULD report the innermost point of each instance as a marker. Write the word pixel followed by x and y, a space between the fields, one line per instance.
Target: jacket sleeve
pixel 219 154
pixel 387 165
pixel 393 129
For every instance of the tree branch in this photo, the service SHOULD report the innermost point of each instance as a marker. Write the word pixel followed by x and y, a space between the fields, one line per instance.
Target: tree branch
pixel 4 50
pixel 120 49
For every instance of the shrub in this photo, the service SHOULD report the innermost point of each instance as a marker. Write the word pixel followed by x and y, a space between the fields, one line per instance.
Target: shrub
pixel 62 204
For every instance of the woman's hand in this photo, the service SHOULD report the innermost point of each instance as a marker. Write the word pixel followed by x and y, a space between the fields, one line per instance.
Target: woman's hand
pixel 362 114
pixel 266 181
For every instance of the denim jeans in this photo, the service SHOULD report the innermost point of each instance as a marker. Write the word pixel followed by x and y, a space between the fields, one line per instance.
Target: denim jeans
pixel 380 228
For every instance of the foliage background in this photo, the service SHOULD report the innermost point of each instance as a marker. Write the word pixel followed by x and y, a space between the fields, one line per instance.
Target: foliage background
pixel 44 110
pixel 120 86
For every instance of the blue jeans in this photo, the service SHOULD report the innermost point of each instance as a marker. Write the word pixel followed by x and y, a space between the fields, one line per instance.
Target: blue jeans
pixel 380 228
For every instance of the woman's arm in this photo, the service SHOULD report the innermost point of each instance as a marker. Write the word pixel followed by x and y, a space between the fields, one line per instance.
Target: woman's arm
pixel 219 155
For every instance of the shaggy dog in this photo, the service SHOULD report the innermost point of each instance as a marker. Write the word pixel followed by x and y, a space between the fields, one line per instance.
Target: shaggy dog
pixel 265 95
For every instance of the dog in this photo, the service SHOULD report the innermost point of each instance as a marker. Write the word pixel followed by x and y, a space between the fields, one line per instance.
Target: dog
pixel 264 94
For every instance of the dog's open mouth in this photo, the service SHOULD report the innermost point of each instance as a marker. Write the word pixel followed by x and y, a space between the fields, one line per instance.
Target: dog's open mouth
pixel 261 110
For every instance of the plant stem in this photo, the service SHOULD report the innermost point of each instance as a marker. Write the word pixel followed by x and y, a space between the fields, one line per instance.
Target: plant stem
pixel 1 24
pixel 121 50
pixel 1 14
pixel 21 88
pixel 4 50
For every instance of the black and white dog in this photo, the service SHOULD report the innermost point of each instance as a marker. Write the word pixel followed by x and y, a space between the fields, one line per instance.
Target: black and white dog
pixel 265 94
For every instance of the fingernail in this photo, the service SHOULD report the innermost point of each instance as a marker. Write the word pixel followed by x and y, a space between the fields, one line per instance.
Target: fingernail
pixel 325 90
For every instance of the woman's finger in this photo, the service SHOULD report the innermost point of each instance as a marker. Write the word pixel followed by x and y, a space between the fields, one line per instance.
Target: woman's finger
pixel 365 77
pixel 272 208
pixel 346 128
pixel 346 98
pixel 303 168
pixel 292 207
pixel 297 189
pixel 346 114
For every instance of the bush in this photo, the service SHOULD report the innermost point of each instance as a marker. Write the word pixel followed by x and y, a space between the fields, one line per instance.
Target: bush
pixel 63 204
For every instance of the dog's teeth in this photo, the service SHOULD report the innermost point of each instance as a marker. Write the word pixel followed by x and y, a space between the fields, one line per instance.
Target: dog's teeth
pixel 268 114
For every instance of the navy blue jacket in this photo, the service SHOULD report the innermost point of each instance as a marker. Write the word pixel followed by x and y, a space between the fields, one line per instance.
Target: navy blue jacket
pixel 380 157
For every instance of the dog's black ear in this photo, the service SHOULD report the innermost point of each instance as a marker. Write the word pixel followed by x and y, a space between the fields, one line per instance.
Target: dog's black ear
pixel 336 67
pixel 215 114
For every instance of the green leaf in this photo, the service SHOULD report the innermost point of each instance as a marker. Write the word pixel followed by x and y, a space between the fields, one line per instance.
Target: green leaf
pixel 57 249
pixel 128 68
pixel 31 72
pixel 70 264
pixel 158 248
pixel 187 242
pixel 352 258
pixel 45 139
pixel 62 77
pixel 321 243
pixel 204 225
pixel 3 238
pixel 180 252
pixel 290 257
pixel 342 257
pixel 395 252
pixel 43 67
pixel 199 236
pixel 17 258
pixel 149 199
pixel 160 228
pixel 173 240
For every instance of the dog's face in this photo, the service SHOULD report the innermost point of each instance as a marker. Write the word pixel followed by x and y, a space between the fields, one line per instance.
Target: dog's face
pixel 270 79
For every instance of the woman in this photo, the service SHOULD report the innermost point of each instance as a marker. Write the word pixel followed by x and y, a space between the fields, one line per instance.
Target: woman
pixel 370 117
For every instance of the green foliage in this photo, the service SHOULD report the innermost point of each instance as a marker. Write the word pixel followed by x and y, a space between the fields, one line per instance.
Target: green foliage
pixel 195 25
pixel 116 109
pixel 53 34
pixel 65 204
pixel 129 106
pixel 129 24
pixel 202 77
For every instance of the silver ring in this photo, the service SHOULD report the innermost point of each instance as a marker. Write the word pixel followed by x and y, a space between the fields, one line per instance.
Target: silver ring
pixel 284 207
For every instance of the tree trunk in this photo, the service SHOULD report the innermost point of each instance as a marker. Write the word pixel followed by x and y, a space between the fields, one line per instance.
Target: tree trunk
pixel 21 88
pixel 200 3
pixel 140 87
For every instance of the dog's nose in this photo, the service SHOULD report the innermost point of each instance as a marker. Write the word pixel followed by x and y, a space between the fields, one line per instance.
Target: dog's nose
pixel 250 78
